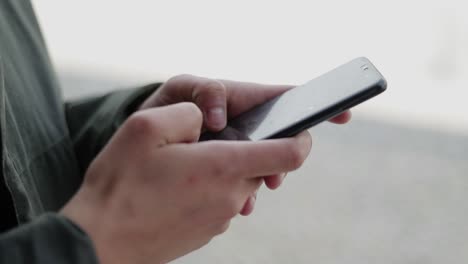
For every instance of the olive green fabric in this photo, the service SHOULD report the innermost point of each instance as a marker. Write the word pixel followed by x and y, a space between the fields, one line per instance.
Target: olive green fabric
pixel 49 239
pixel 92 121
pixel 46 144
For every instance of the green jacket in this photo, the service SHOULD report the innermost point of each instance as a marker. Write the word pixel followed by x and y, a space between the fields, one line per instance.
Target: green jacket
pixel 46 145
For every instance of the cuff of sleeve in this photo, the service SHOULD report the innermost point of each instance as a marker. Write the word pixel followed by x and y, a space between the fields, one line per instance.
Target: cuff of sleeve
pixel 51 238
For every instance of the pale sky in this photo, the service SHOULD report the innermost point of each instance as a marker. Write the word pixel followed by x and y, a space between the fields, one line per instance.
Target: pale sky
pixel 419 46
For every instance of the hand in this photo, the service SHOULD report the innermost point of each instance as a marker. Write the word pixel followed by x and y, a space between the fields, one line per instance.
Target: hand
pixel 221 100
pixel 153 194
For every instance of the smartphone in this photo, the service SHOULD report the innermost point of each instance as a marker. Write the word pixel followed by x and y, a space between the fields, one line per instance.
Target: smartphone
pixel 307 105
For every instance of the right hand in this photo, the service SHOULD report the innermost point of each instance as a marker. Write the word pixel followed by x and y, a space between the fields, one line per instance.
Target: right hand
pixel 154 194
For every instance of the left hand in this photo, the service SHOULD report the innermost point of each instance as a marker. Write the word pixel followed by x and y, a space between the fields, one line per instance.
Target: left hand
pixel 221 100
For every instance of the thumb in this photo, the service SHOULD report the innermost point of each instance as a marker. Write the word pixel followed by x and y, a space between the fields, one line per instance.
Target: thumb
pixel 210 96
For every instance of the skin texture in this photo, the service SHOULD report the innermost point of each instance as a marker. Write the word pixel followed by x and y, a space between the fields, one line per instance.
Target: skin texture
pixel 155 193
pixel 226 99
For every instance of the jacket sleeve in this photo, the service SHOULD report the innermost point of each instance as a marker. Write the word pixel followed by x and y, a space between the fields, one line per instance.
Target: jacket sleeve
pixel 92 121
pixel 51 238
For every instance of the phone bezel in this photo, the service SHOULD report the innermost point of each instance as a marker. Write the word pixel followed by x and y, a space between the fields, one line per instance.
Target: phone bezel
pixel 331 111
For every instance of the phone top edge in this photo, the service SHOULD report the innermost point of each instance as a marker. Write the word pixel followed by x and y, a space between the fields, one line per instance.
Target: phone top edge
pixel 313 102
pixel 382 82
pixel 326 114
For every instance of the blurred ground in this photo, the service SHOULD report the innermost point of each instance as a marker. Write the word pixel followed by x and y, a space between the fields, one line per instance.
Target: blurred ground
pixel 371 192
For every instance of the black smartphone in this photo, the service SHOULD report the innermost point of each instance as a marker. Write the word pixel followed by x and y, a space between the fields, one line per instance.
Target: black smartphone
pixel 307 105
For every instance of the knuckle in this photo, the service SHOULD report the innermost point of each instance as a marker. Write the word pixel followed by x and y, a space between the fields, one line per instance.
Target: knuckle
pixel 213 86
pixel 140 124
pixel 207 89
pixel 232 207
pixel 181 77
pixel 222 227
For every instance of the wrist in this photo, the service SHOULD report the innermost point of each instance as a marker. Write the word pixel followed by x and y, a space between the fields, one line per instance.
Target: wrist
pixel 81 215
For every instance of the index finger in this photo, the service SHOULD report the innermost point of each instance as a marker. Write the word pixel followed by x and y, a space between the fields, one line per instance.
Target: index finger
pixel 164 125
pixel 242 96
pixel 247 95
pixel 265 157
pixel 342 118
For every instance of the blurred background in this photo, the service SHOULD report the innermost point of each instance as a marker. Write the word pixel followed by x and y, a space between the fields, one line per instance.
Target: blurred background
pixel 390 187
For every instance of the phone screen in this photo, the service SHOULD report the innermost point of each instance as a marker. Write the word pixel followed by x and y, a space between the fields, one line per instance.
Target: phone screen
pixel 308 104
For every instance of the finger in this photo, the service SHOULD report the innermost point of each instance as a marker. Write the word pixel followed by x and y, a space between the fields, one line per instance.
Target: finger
pixel 177 123
pixel 210 96
pixel 175 90
pixel 205 168
pixel 249 205
pixel 274 181
pixel 254 159
pixel 241 96
pixel 341 118
pixel 247 195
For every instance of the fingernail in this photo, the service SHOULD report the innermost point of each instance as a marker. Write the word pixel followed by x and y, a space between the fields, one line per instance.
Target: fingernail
pixel 217 117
